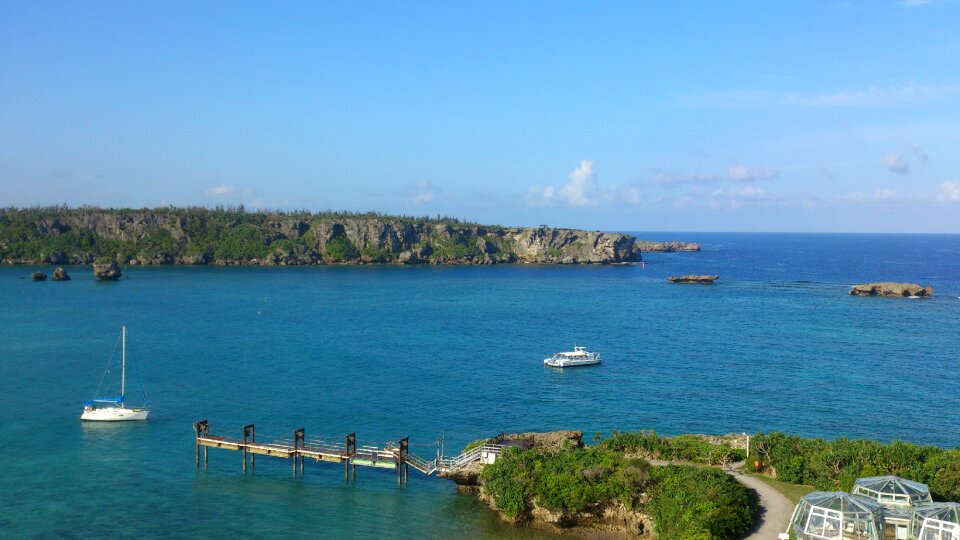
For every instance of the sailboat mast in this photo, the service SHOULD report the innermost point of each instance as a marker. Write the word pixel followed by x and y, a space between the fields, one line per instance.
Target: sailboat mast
pixel 123 364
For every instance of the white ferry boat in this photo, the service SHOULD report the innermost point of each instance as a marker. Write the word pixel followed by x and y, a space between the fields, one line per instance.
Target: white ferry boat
pixel 577 357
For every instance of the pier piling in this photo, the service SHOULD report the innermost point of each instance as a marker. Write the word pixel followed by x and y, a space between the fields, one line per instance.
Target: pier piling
pixel 249 434
pixel 201 428
pixel 391 455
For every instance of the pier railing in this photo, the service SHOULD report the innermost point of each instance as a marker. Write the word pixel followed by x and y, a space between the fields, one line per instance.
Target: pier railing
pixel 391 455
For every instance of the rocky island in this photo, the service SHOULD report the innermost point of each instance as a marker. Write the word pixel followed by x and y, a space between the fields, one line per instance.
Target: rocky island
pixel 673 245
pixel 197 236
pixel 693 278
pixel 886 288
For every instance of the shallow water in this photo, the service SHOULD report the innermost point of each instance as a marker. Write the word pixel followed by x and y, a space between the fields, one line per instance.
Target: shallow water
pixel 393 351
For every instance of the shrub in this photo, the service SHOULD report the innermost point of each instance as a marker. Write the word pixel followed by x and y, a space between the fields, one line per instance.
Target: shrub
pixel 685 501
pixel 340 248
pixel 832 465
pixel 693 448
pixel 570 480
pixel 698 502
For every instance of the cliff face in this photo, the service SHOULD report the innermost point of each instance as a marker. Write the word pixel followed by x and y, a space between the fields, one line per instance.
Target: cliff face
pixel 674 245
pixel 204 236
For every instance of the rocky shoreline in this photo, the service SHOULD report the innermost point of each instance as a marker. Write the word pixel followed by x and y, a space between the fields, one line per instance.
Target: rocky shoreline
pixel 200 236
pixel 667 247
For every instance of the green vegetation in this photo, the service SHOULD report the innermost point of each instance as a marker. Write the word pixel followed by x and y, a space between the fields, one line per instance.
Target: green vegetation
pixel 691 448
pixel 453 247
pixel 689 502
pixel 685 501
pixel 832 465
pixel 167 235
pixel 473 444
pixel 376 255
pixel 340 248
pixel 242 242
pixel 570 480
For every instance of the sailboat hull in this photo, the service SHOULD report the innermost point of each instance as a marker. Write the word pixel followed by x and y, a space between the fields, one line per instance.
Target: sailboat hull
pixel 114 414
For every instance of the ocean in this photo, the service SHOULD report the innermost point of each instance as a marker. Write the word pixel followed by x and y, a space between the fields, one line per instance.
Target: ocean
pixel 388 352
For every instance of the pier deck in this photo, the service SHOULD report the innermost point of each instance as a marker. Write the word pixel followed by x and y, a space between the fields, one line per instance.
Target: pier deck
pixel 392 455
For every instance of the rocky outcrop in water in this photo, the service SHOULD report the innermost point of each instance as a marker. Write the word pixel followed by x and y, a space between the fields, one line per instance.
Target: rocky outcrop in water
pixel 693 278
pixel 60 275
pixel 38 276
pixel 195 236
pixel 106 271
pixel 673 245
pixel 885 288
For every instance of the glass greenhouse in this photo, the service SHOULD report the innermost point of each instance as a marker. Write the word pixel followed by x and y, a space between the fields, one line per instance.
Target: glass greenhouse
pixel 936 521
pixel 892 490
pixel 837 515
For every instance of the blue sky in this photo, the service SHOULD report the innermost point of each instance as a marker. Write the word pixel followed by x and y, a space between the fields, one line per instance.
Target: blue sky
pixel 679 116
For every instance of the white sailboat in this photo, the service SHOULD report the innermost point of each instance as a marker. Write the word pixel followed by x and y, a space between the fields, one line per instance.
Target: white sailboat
pixel 113 409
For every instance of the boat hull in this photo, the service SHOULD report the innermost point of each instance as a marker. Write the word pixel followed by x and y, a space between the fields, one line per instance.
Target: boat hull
pixel 550 362
pixel 114 414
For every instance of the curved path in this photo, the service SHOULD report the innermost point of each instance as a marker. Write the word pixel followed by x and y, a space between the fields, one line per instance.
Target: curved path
pixel 775 509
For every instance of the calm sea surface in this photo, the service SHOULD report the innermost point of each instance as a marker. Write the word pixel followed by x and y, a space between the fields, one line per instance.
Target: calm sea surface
pixel 776 344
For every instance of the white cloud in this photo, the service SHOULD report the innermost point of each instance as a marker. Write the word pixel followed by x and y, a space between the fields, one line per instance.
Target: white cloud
pixel 667 180
pixel 540 196
pixel 580 190
pixel 748 192
pixel 583 189
pixel 894 162
pixel 948 192
pixel 903 163
pixel 742 173
pixel 734 199
pixel 632 195
pixel 879 196
pixel 422 197
pixel 222 190
pixel 422 192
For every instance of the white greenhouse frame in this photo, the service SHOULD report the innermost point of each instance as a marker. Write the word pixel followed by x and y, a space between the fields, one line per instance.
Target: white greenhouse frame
pixel 837 515
pixel 936 521
pixel 892 490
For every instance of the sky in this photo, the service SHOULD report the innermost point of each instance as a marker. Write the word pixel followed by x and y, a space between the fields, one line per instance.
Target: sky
pixel 639 116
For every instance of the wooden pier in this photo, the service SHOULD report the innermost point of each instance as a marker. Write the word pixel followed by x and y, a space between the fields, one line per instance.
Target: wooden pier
pixel 392 455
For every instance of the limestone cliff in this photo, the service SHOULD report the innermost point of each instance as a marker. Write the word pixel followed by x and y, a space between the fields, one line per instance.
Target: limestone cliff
pixel 674 245
pixel 228 237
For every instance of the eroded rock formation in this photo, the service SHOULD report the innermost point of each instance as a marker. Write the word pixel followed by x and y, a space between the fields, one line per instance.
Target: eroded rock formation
pixel 693 278
pixel 60 275
pixel 106 271
pixel 673 245
pixel 886 288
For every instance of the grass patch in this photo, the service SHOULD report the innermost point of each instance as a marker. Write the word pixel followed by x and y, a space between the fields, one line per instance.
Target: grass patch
pixel 791 491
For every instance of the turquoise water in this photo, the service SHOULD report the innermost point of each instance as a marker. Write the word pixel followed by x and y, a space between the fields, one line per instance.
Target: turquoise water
pixel 394 351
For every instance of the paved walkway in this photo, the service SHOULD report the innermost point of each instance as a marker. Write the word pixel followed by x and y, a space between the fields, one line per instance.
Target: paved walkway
pixel 775 509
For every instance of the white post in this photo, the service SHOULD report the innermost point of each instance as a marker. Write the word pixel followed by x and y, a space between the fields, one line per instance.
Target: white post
pixel 123 364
